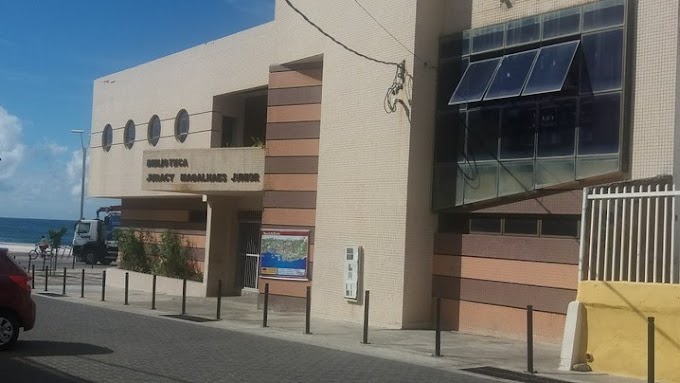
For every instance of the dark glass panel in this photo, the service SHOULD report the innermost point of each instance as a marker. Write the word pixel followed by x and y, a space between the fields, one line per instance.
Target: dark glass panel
pixel 476 79
pixel 557 128
pixel 517 131
pixel 482 134
pixel 550 69
pixel 599 124
pixel 450 74
pixel 465 49
pixel 452 223
pixel 602 61
pixel 485 225
pixel 602 14
pixel 488 38
pixel 480 182
pixel 516 177
pixel 564 22
pixel 129 134
pixel 523 31
pixel 511 75
pixel 563 227
pixel 525 226
pixel 445 185
pixel 154 133
pixel 450 139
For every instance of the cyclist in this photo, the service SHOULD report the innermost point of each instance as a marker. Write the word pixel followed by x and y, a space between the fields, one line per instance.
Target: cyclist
pixel 43 245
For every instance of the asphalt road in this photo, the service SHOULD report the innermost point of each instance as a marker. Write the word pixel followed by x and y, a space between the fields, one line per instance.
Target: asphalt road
pixel 78 343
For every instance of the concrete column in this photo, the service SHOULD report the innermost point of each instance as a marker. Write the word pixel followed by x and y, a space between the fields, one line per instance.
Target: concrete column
pixel 221 247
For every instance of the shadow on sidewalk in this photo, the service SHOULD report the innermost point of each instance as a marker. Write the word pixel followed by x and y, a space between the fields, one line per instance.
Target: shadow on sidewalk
pixel 16 370
pixel 30 348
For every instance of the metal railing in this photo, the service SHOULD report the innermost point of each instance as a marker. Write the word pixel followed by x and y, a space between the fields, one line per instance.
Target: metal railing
pixel 251 271
pixel 628 233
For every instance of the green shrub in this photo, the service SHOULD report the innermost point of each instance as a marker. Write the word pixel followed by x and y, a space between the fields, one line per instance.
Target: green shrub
pixel 132 246
pixel 55 237
pixel 173 259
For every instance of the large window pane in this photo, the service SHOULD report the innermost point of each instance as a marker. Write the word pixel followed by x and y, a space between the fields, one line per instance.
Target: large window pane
pixel 466 43
pixel 485 225
pixel 602 61
pixel 515 177
pixel 523 31
pixel 482 134
pixel 511 75
pixel 550 69
pixel 480 182
pixel 445 185
pixel 557 128
pixel 601 14
pixel 599 124
pixel 487 39
pixel 450 138
pixel 562 23
pixel 476 79
pixel 563 227
pixel 596 166
pixel 554 171
pixel 517 132
pixel 522 226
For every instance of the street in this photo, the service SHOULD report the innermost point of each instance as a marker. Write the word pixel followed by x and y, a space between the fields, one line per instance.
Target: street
pixel 79 343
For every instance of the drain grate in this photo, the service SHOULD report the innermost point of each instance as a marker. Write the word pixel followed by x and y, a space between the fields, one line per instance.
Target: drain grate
pixel 512 375
pixel 52 294
pixel 189 318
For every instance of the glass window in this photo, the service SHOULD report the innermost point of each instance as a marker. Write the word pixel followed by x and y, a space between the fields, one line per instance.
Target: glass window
pixel 511 75
pixel 563 227
pixel 596 165
pixel 449 74
pixel 564 22
pixel 516 177
pixel 482 134
pixel 83 228
pixel 517 131
pixel 553 171
pixel 182 126
pixel 154 132
pixel 599 124
pixel 487 39
pixel 452 223
pixel 556 128
pixel 485 225
pixel 474 82
pixel 523 31
pixel 480 182
pixel 602 61
pixel 450 138
pixel 445 185
pixel 602 14
pixel 107 138
pixel 129 134
pixel 550 69
pixel 524 226
pixel 466 43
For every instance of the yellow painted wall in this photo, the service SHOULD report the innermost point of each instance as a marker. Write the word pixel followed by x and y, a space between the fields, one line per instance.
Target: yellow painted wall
pixel 616 327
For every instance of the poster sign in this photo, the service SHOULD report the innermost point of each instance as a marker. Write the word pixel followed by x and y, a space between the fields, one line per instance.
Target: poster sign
pixel 284 254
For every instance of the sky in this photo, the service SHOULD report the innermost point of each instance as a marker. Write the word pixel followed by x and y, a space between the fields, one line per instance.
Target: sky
pixel 51 51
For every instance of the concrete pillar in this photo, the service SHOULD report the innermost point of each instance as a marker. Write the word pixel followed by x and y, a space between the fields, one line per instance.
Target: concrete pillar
pixel 221 250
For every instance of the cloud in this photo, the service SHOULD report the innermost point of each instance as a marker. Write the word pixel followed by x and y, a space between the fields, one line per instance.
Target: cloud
pixel 52 148
pixel 11 146
pixel 74 168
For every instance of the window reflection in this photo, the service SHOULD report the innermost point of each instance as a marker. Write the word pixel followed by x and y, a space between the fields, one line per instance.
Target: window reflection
pixel 602 61
pixel 599 124
pixel 556 128
pixel 518 127
pixel 482 134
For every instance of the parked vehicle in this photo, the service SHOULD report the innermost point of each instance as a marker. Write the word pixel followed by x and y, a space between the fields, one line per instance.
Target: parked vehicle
pixel 17 309
pixel 93 240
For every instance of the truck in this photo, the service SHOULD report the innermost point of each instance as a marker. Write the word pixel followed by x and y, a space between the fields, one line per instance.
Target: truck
pixel 93 239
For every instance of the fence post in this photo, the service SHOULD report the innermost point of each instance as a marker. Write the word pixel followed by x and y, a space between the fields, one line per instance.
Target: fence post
pixel 438 329
pixel 46 275
pixel 367 296
pixel 153 294
pixel 219 299
pixel 184 296
pixel 73 256
pixel 63 290
pixel 33 276
pixel 308 310
pixel 650 349
pixel 530 339
pixel 82 284
pixel 266 305
pixel 127 283
pixel 103 285
pixel 30 262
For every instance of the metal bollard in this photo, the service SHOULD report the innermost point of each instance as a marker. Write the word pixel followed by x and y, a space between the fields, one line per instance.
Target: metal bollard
pixel 367 296
pixel 184 296
pixel 127 284
pixel 308 310
pixel 33 277
pixel 82 284
pixel 219 300
pixel 438 329
pixel 47 273
pixel 103 285
pixel 530 339
pixel 650 349
pixel 153 294
pixel 73 264
pixel 63 287
pixel 29 263
pixel 266 305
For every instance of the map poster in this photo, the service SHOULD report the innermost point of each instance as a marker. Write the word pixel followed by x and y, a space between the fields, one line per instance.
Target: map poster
pixel 284 254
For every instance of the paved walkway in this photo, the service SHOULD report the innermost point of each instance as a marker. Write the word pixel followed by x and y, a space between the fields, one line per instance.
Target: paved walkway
pixel 241 314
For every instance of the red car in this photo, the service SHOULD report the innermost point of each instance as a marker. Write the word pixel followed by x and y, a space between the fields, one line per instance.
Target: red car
pixel 17 309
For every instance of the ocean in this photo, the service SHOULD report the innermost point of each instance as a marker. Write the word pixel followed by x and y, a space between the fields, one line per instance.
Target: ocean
pixel 29 230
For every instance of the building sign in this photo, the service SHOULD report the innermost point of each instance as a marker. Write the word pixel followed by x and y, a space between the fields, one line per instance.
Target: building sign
pixel 203 170
pixel 284 254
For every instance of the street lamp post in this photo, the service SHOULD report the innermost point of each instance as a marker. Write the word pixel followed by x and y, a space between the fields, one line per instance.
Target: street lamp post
pixel 82 180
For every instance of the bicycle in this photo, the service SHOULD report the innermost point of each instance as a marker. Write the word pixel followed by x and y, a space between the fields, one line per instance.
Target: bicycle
pixel 45 253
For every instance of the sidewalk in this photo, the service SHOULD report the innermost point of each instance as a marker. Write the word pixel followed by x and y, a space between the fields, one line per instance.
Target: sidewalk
pixel 460 351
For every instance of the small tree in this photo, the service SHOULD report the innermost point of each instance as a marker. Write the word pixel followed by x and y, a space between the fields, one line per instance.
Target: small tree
pixel 132 248
pixel 174 258
pixel 56 237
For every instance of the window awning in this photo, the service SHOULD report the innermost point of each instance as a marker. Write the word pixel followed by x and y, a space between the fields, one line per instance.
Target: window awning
pixel 475 81
pixel 551 68
pixel 511 75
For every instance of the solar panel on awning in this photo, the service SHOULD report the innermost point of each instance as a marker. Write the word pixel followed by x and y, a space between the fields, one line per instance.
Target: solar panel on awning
pixel 551 68
pixel 511 75
pixel 475 81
